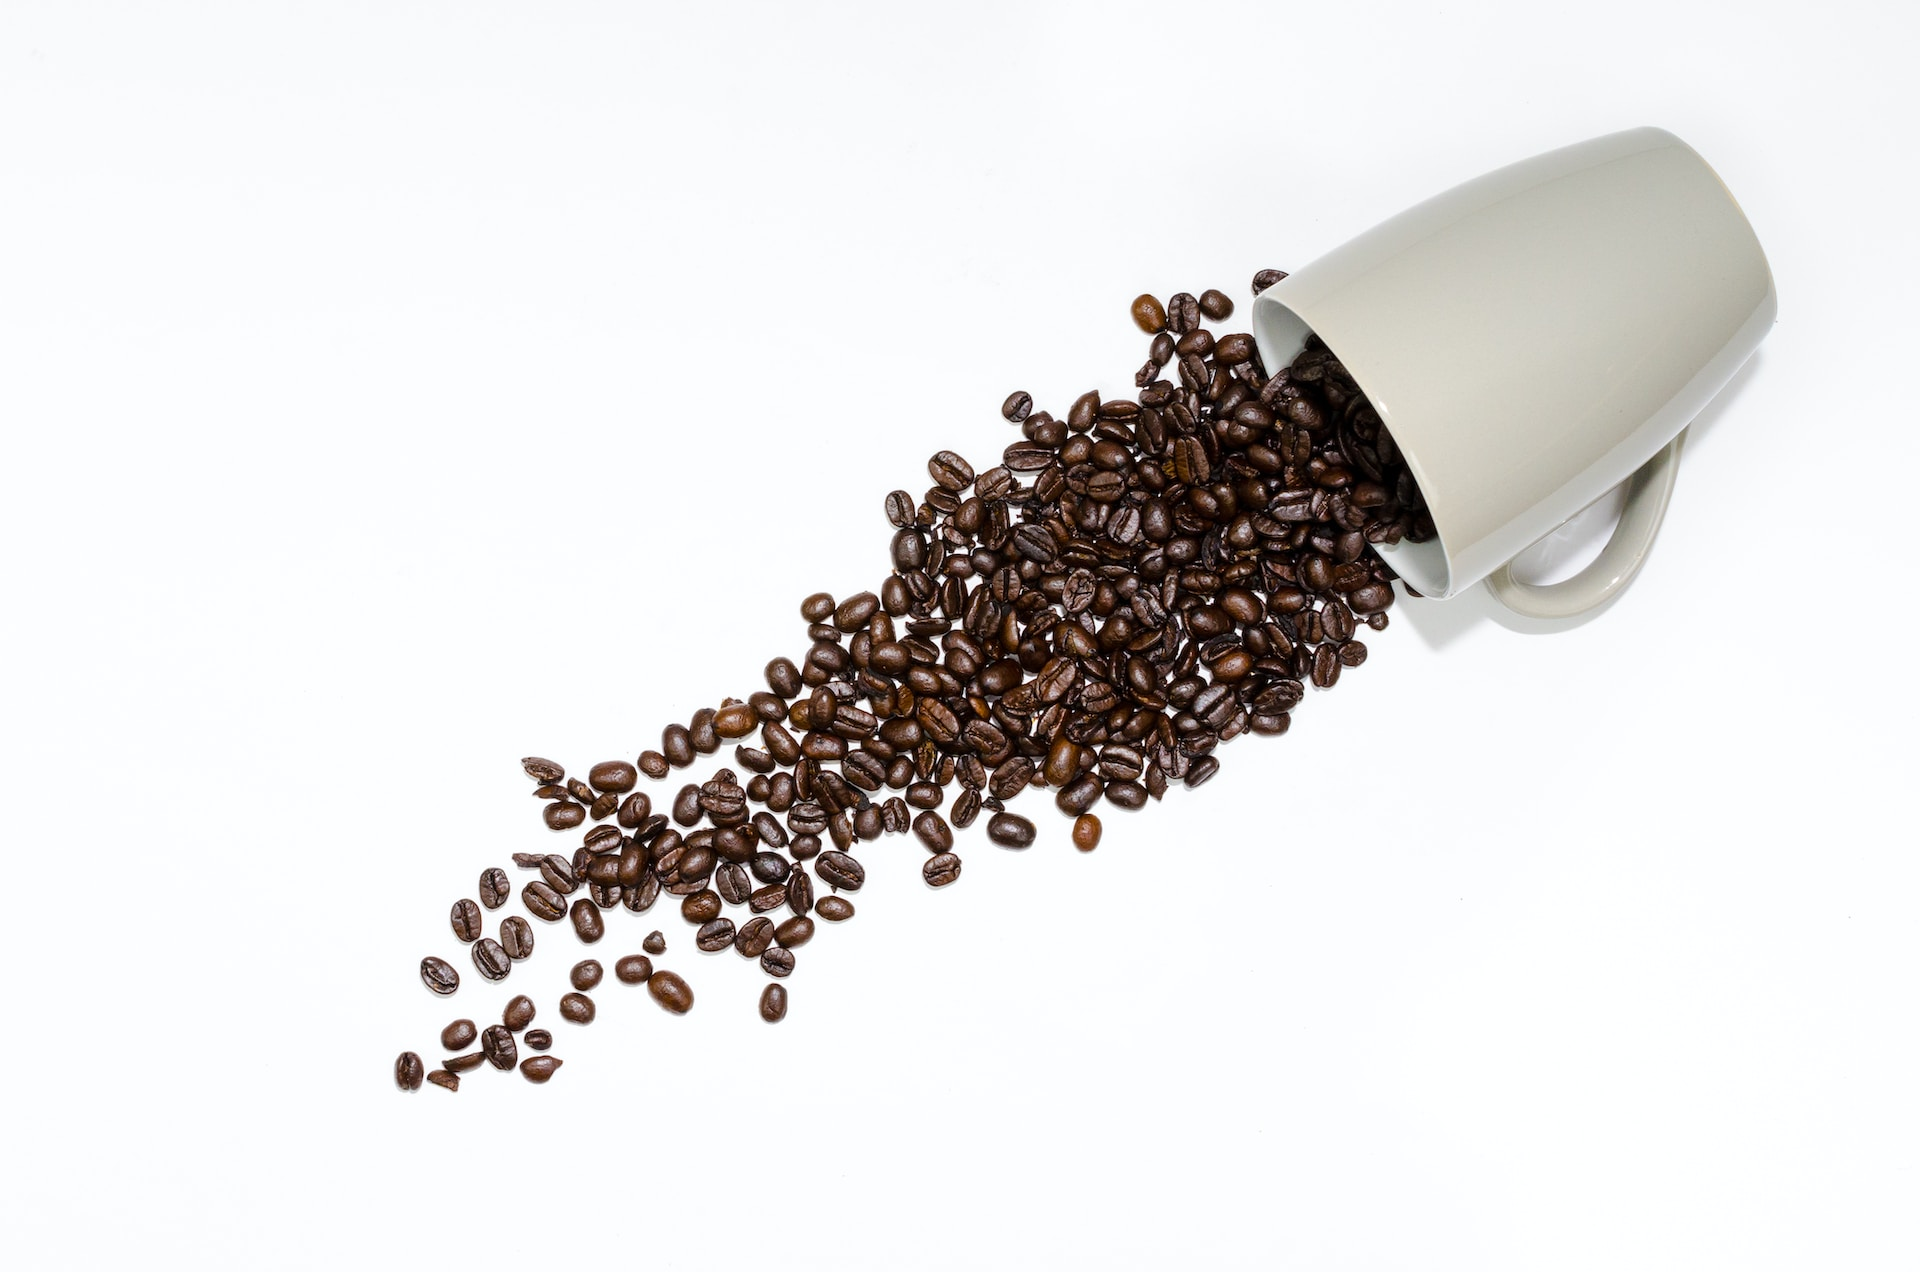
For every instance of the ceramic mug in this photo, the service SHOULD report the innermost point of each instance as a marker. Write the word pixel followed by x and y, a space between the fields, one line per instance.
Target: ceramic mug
pixel 1532 339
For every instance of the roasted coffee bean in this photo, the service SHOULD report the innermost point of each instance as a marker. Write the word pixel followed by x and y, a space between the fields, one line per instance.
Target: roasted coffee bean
pixel 773 1001
pixel 587 924
pixel 442 1078
pixel 576 1009
pixel 498 1045
pixel 1010 830
pixel 1216 305
pixel 1086 832
pixel 409 1071
pixel 677 745
pixel 438 975
pixel 464 1064
pixel 557 873
pixel 733 884
pixel 1078 795
pixel 496 889
pixel 538 1040
pixel 516 937
pixel 633 969
pixel 834 909
pixel 459 1034
pixel 714 935
pixel 467 920
pixel 777 961
pixel 653 764
pixel 545 772
pixel 540 1068
pixel 701 906
pixel 931 829
pixel 941 870
pixel 753 938
pixel 670 992
pixel 586 973
pixel 563 816
pixel 491 959
pixel 795 932
pixel 1149 314
pixel 518 1013
pixel 656 942
pixel 1017 407
pixel 615 777
pixel 1267 278
pixel 838 870
pixel 798 893
pixel 966 808
pixel 924 795
pixel 543 902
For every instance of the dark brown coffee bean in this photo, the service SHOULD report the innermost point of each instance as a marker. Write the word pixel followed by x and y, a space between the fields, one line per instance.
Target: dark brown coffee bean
pixel 950 472
pixel 543 902
pixel 773 999
pixel 587 924
pixel 1010 830
pixel 467 920
pixel 544 772
pixel 966 808
pixel 656 942
pixel 557 873
pixel 795 932
pixel 1086 832
pixel 490 958
pixel 459 1034
pixel 409 1071
pixel 931 829
pixel 714 935
pixel 653 764
pixel 677 745
pixel 838 870
pixel 540 1069
pixel 1017 407
pixel 538 1039
pixel 615 777
pixel 1149 314
pixel 438 975
pixel 1267 278
pixel 576 1009
pixel 441 1078
pixel 1183 313
pixel 496 889
pixel 1326 666
pixel 633 969
pixel 701 906
pixel 777 961
pixel 834 909
pixel 516 937
pixel 1216 305
pixel 753 938
pixel 736 721
pixel 941 870
pixel 670 992
pixel 518 1013
pixel 563 816
pixel 1202 769
pixel 498 1045
pixel 586 974
pixel 464 1064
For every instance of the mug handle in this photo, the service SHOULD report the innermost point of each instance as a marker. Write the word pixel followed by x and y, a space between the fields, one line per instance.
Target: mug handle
pixel 1648 491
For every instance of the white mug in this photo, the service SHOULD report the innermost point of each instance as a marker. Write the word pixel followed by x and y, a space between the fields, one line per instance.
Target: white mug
pixel 1532 339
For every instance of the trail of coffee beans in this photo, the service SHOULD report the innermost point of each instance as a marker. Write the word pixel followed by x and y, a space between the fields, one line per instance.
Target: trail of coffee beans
pixel 1129 587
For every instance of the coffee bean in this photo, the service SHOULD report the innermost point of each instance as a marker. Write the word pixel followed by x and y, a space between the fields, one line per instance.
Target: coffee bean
pixel 838 870
pixel 490 958
pixel 834 909
pixel 585 974
pixel 495 888
pixel 497 1042
pixel 465 1064
pixel 670 992
pixel 633 969
pixel 941 870
pixel 773 1002
pixel 1216 305
pixel 1149 314
pixel 438 975
pixel 587 924
pixel 576 1009
pixel 518 1013
pixel 543 902
pixel 516 937
pixel 656 943
pixel 409 1071
pixel 441 1078
pixel 795 932
pixel 798 893
pixel 540 1068
pixel 613 776
pixel 562 816
pixel 931 829
pixel 777 961
pixel 1086 832
pixel 714 935
pixel 700 907
pixel 1010 830
pixel 545 772
pixel 653 764
pixel 458 1034
pixel 467 920
pixel 538 1039
pixel 753 938
pixel 1078 795
pixel 949 472
pixel 1267 278
pixel 676 743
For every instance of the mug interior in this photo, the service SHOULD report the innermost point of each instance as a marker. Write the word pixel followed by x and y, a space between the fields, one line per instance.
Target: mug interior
pixel 1281 334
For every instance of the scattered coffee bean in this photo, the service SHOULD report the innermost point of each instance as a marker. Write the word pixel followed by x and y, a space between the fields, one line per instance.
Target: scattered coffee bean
pixel 496 889
pixel 773 1004
pixel 655 943
pixel 795 932
pixel 670 992
pixel 941 870
pixel 545 772
pixel 459 1034
pixel 587 924
pixel 441 1078
pixel 1086 832
pixel 538 1039
pixel 1149 314
pixel 576 1009
pixel 1010 830
pixel 491 959
pixel 516 937
pixel 777 961
pixel 467 920
pixel 498 1046
pixel 409 1072
pixel 466 1063
pixel 539 1068
pixel 932 830
pixel 834 909
pixel 634 969
pixel 586 973
pixel 518 1013
pixel 714 936
pixel 438 975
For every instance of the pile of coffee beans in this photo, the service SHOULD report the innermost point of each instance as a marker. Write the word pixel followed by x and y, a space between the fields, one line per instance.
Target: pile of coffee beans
pixel 1129 587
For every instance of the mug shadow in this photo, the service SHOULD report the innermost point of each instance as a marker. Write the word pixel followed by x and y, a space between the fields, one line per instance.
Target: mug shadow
pixel 1441 623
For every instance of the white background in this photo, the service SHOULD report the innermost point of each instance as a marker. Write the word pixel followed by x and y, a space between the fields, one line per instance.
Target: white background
pixel 391 391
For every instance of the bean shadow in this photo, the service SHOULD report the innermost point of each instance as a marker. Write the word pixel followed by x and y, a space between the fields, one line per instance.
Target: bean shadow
pixel 1441 623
